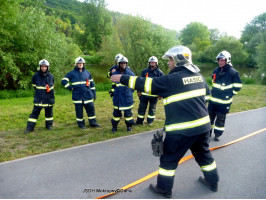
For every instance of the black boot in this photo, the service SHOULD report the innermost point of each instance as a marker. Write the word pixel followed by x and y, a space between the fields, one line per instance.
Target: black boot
pixel 114 128
pixel 129 128
pixel 216 138
pixel 95 125
pixel 28 131
pixel 158 191
pixel 49 128
pixel 213 187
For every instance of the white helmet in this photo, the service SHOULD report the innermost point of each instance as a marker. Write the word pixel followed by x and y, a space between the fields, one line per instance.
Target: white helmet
pixel 123 60
pixel 224 55
pixel 44 62
pixel 153 59
pixel 79 60
pixel 182 57
pixel 117 57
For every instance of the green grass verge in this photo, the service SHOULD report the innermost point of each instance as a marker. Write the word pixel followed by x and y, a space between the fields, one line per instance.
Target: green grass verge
pixel 14 114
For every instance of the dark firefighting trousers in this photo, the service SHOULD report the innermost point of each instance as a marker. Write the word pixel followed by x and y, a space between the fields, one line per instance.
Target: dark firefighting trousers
pixel 35 115
pixel 128 115
pixel 90 110
pixel 217 115
pixel 175 147
pixel 143 104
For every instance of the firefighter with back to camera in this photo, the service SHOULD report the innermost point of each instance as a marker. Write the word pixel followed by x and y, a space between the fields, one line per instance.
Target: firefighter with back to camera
pixel 187 123
pixel 151 71
pixel 43 83
pixel 80 82
pixel 225 84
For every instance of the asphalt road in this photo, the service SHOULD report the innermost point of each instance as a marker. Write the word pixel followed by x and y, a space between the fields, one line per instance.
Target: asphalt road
pixel 92 170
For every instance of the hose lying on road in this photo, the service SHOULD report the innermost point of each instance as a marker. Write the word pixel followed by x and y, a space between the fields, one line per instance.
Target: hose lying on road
pixel 153 174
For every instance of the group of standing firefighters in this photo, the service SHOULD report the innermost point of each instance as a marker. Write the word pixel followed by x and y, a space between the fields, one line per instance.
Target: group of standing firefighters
pixel 188 124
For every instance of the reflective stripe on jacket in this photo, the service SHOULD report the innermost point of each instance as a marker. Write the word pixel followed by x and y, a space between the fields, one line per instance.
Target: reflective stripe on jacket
pixel 39 83
pixel 123 96
pixel 148 72
pixel 225 84
pixel 81 84
pixel 184 99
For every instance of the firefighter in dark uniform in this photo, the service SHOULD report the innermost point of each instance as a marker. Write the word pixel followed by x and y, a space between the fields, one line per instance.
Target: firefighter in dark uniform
pixel 187 123
pixel 123 98
pixel 151 71
pixel 43 83
pixel 112 70
pixel 80 82
pixel 225 84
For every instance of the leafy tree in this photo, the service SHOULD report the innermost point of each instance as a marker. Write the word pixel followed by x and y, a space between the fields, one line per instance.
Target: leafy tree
pixel 258 24
pixel 27 36
pixel 230 44
pixel 97 21
pixel 261 61
pixel 196 33
pixel 137 39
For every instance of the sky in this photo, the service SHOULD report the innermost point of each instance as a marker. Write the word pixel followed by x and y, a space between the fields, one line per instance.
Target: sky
pixel 229 16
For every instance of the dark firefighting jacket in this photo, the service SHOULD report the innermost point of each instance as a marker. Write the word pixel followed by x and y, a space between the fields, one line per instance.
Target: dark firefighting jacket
pixel 109 73
pixel 148 72
pixel 184 101
pixel 43 83
pixel 225 84
pixel 81 84
pixel 123 96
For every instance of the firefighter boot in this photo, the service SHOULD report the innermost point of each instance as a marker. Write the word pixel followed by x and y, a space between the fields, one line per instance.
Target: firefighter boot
pixel 129 128
pixel 213 187
pixel 216 138
pixel 158 191
pixel 27 131
pixel 114 128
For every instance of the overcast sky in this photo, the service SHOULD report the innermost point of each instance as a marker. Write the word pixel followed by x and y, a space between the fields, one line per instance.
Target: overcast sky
pixel 230 16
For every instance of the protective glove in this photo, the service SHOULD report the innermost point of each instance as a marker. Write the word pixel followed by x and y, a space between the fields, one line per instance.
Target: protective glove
pixel 111 93
pixel 157 143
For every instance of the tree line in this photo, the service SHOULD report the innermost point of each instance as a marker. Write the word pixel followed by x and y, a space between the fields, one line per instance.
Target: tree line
pixel 61 30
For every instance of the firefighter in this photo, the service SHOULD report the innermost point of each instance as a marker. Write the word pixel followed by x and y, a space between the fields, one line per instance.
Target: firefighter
pixel 112 70
pixel 80 82
pixel 43 83
pixel 225 84
pixel 123 98
pixel 187 123
pixel 151 71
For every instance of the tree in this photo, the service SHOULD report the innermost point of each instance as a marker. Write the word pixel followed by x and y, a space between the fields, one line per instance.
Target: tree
pixel 97 21
pixel 27 36
pixel 230 44
pixel 196 33
pixel 137 39
pixel 261 61
pixel 258 24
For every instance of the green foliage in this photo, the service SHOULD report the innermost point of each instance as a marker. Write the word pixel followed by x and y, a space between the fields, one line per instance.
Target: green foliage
pixel 196 33
pixel 258 24
pixel 230 44
pixel 261 61
pixel 27 37
pixel 137 39
pixel 97 22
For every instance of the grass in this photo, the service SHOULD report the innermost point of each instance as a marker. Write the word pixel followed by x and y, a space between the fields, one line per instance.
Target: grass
pixel 14 114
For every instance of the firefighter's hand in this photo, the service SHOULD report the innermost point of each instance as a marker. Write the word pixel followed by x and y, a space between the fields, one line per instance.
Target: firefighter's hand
pixel 160 98
pixel 113 70
pixel 157 144
pixel 111 93
pixel 116 78
pixel 139 94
